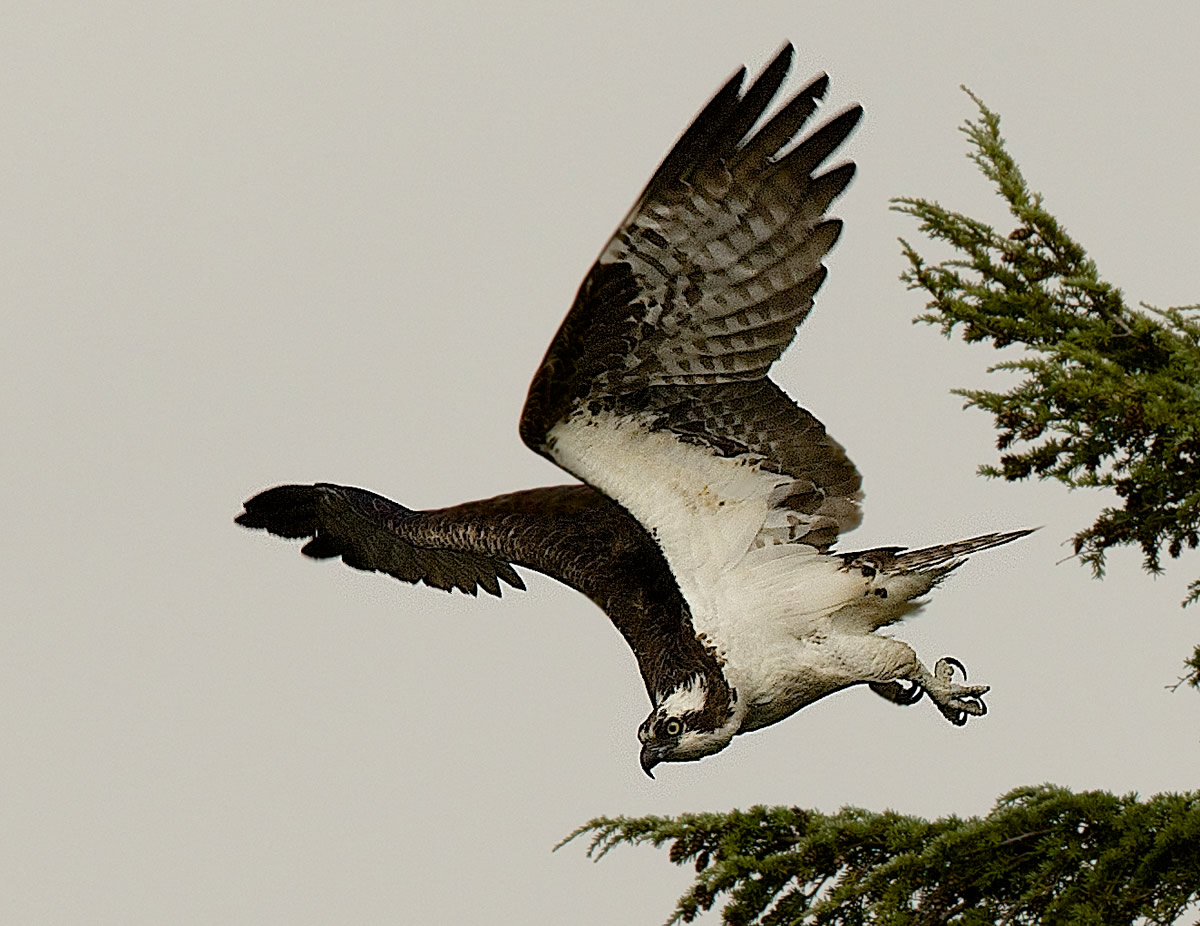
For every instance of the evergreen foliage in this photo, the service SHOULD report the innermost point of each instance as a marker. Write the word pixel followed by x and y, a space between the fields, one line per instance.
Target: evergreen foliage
pixel 1109 396
pixel 1043 855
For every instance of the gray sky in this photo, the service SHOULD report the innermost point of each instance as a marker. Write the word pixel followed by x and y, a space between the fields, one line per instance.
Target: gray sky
pixel 251 244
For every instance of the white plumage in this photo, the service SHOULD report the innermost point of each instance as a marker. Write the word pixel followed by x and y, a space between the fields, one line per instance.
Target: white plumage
pixel 712 503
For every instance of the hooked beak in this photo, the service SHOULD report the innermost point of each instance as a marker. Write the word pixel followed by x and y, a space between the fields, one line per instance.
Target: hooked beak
pixel 651 756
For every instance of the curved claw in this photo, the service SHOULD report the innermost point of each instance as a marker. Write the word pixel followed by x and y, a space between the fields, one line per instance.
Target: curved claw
pixel 951 661
pixel 899 691
pixel 960 715
pixel 911 695
pixel 957 702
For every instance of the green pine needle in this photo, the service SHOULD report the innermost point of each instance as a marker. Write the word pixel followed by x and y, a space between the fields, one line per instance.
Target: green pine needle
pixel 1109 396
pixel 1043 855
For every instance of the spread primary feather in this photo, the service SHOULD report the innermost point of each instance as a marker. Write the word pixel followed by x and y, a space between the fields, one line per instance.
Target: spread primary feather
pixel 710 505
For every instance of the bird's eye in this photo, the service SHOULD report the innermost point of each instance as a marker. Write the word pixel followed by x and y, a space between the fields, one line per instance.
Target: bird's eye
pixel 673 727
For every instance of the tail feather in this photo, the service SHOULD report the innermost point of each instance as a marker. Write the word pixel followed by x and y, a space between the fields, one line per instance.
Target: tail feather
pixel 899 575
pixel 943 557
pixel 943 554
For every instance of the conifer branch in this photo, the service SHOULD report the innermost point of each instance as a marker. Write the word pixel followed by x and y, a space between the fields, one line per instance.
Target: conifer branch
pixel 1043 855
pixel 1109 396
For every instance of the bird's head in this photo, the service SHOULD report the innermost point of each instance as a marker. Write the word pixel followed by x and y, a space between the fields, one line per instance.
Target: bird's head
pixel 687 724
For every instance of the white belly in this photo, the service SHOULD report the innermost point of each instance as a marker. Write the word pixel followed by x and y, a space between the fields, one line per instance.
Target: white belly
pixel 792 626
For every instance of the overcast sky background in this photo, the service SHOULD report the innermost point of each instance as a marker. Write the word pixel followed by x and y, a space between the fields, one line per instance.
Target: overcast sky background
pixel 247 244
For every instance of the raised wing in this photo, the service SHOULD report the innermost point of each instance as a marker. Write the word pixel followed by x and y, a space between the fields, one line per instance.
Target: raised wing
pixel 654 390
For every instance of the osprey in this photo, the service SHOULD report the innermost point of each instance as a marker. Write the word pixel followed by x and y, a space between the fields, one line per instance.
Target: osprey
pixel 710 503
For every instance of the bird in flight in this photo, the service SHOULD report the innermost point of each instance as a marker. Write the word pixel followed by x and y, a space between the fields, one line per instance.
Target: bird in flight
pixel 709 505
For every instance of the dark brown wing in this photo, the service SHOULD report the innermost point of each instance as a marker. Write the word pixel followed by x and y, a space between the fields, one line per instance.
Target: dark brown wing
pixel 571 533
pixel 371 532
pixel 658 373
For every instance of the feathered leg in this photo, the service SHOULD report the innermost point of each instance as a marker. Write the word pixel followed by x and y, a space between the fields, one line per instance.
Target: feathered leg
pixel 887 664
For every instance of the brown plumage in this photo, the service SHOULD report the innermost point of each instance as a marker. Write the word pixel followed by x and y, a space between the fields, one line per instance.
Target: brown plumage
pixel 712 501
pixel 571 533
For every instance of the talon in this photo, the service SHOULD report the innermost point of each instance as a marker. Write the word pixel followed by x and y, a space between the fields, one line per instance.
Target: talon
pixel 960 709
pixel 957 702
pixel 911 695
pixel 898 692
pixel 949 661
